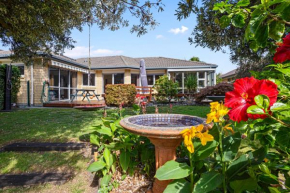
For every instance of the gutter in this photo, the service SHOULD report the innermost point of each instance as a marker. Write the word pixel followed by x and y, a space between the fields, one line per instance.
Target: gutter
pixel 155 68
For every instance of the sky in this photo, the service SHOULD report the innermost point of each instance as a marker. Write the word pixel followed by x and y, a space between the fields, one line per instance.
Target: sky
pixel 168 39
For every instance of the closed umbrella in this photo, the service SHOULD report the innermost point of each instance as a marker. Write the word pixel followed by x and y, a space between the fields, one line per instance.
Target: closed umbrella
pixel 143 76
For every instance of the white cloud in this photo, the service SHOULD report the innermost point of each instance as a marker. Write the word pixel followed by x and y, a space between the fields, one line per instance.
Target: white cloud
pixel 82 51
pixel 159 36
pixel 178 30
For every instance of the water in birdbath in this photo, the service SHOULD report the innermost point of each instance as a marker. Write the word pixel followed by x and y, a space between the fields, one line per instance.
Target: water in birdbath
pixel 163 120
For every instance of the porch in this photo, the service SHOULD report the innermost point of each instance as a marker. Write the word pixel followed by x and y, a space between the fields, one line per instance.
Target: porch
pixel 69 104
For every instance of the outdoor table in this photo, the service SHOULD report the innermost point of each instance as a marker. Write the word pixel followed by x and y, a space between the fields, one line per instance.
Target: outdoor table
pixel 85 93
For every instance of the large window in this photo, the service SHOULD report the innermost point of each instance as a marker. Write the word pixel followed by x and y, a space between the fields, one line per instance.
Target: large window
pixel 62 83
pixel 135 79
pixel 89 80
pixel 203 79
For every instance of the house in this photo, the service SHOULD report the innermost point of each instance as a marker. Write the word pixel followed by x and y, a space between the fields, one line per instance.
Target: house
pixel 65 74
pixel 229 76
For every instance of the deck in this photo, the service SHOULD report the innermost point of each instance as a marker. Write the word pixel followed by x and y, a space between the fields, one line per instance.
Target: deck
pixel 69 104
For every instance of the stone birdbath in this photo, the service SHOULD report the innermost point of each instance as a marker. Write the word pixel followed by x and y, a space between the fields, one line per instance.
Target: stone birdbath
pixel 163 130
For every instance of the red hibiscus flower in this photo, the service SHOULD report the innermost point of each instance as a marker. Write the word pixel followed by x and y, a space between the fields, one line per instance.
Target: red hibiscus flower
pixel 245 90
pixel 283 52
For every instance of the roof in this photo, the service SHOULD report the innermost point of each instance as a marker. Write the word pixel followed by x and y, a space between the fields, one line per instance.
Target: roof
pixel 109 62
pixel 61 58
pixel 115 62
pixel 228 74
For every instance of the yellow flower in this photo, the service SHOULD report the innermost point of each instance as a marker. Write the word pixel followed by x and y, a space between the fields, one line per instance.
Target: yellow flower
pixel 217 112
pixel 227 128
pixel 203 136
pixel 187 135
pixel 214 106
pixel 223 110
pixel 213 116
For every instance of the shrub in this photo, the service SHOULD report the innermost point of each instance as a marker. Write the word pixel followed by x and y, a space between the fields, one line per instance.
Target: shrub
pixel 115 94
pixel 15 84
pixel 217 90
pixel 190 83
pixel 166 89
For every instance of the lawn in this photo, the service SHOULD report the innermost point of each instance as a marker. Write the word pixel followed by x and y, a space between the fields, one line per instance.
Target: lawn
pixel 57 125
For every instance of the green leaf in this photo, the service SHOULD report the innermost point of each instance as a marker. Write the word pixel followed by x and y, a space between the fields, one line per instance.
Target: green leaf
pixel 262 101
pixel 225 21
pixel 105 131
pixel 243 3
pixel 208 182
pixel 238 20
pixel 285 71
pixel 262 34
pixel 273 190
pixel 108 157
pixel 173 170
pixel 113 127
pixel 264 168
pixel 257 17
pixel 283 137
pixel 285 13
pixel 231 146
pixel 178 186
pixel 239 186
pixel 125 160
pixel 254 109
pixel 96 166
pixel 201 152
pixel 279 107
pixel 268 179
pixel 237 166
pixel 105 180
pixel 94 139
pixel 259 155
pixel 276 30
pixel 254 46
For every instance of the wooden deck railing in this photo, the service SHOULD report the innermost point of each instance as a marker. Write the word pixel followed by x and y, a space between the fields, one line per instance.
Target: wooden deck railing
pixel 145 91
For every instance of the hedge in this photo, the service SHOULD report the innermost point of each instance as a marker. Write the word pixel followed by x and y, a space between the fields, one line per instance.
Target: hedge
pixel 15 84
pixel 217 90
pixel 115 94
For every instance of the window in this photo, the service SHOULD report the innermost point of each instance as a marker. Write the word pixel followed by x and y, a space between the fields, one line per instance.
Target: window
pixel 201 75
pixel 21 69
pixel 135 79
pixel 89 81
pixel 150 79
pixel 118 78
pixel 201 83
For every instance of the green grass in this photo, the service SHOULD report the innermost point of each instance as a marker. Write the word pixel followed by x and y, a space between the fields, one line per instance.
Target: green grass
pixel 16 163
pixel 57 125
pixel 53 125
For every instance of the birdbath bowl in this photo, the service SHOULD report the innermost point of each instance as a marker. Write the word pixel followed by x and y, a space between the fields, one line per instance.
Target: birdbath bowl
pixel 163 130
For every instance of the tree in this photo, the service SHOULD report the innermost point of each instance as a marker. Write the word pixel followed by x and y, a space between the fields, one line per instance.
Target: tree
pixel 218 78
pixel 191 83
pixel 194 59
pixel 209 33
pixel 32 25
pixel 166 89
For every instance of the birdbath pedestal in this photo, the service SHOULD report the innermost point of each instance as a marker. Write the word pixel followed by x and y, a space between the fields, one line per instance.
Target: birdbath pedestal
pixel 163 130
